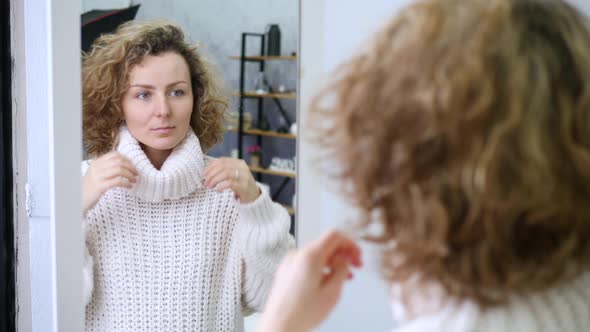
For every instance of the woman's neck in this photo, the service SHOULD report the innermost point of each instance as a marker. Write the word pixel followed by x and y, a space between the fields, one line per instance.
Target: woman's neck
pixel 155 156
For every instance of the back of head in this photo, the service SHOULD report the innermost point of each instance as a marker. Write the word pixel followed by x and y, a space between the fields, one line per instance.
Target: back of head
pixel 464 131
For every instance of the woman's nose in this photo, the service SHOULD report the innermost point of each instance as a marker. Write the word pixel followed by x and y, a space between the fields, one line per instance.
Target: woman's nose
pixel 163 108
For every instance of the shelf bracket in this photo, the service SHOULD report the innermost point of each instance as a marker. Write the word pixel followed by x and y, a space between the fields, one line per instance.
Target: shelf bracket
pixel 280 189
pixel 281 109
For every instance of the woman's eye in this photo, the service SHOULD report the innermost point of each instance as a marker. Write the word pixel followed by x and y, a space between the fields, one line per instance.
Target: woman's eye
pixel 177 93
pixel 143 95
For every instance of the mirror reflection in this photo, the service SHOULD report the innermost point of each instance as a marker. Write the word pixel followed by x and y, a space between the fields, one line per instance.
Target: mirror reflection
pixel 189 127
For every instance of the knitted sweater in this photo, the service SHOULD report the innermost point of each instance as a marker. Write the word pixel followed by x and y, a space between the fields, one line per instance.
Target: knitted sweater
pixel 172 255
pixel 563 308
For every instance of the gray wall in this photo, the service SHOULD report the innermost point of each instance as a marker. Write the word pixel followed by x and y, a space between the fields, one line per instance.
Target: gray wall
pixel 364 304
pixel 217 25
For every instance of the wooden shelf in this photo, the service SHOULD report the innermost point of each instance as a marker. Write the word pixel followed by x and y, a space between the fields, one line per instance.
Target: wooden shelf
pixel 290 210
pixel 252 94
pixel 259 132
pixel 272 172
pixel 265 58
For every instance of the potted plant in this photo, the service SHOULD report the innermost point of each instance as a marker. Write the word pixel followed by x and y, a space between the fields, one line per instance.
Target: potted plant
pixel 255 152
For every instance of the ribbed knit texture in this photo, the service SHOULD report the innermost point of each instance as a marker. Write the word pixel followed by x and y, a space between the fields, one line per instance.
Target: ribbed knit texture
pixel 172 255
pixel 563 308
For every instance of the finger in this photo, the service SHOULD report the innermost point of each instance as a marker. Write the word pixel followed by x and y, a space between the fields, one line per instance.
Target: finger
pixel 332 242
pixel 118 172
pixel 123 162
pixel 220 177
pixel 114 163
pixel 130 166
pixel 353 257
pixel 120 181
pixel 337 275
pixel 208 168
pixel 214 164
pixel 224 185
pixel 356 255
pixel 213 172
pixel 110 155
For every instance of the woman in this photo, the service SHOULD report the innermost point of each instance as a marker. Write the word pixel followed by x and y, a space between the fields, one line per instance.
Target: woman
pixel 463 133
pixel 176 241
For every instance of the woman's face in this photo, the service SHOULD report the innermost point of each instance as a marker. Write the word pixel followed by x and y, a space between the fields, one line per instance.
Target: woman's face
pixel 158 105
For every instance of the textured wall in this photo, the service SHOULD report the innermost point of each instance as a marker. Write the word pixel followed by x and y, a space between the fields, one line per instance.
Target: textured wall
pixel 217 25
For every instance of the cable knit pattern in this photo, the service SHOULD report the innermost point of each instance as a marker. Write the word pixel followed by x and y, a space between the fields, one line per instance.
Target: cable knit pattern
pixel 564 308
pixel 172 255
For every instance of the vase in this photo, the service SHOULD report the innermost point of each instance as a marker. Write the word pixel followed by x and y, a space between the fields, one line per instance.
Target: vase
pixel 273 35
pixel 254 160
pixel 261 84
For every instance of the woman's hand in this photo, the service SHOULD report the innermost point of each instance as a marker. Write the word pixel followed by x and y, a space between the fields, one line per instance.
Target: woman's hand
pixel 308 284
pixel 234 174
pixel 106 172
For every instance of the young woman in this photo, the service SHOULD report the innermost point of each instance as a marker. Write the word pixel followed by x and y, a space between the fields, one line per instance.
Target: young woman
pixel 464 134
pixel 176 241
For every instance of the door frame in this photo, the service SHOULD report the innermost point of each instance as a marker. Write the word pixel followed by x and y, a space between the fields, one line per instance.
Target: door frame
pixel 7 258
pixel 47 146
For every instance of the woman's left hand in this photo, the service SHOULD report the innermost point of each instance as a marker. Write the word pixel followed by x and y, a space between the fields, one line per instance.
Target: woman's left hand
pixel 234 174
pixel 308 284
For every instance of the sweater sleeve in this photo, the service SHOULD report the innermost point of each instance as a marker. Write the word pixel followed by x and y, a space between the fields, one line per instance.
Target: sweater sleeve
pixel 88 261
pixel 263 231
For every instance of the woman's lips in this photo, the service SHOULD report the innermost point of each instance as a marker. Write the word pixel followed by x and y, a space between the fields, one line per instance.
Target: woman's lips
pixel 163 130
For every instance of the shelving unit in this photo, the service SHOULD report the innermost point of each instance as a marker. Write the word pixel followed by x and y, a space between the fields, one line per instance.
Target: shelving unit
pixel 269 133
pixel 264 57
pixel 243 94
pixel 252 94
pixel 272 172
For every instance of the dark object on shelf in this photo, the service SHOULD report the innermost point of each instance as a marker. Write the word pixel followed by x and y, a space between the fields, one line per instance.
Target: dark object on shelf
pixel 98 22
pixel 283 130
pixel 273 34
pixel 264 124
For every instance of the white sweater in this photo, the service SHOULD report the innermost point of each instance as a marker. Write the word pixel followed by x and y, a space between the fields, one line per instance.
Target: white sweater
pixel 563 308
pixel 172 255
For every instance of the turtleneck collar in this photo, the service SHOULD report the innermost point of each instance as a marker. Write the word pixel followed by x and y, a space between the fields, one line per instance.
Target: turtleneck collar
pixel 179 176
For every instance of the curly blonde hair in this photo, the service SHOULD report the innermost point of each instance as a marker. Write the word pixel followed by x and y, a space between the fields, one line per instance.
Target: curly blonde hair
pixel 105 78
pixel 463 133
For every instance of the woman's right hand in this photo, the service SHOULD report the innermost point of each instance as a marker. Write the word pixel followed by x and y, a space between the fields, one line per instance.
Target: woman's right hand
pixel 104 173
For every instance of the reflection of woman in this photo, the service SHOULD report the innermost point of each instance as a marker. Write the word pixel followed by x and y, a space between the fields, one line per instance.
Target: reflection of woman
pixel 176 241
pixel 464 133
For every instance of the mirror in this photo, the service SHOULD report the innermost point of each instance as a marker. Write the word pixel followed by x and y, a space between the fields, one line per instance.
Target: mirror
pixel 181 234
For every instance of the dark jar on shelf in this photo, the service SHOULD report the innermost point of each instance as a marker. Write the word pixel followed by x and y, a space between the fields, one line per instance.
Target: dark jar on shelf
pixel 273 36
